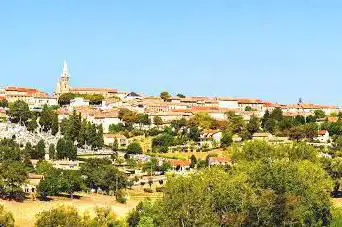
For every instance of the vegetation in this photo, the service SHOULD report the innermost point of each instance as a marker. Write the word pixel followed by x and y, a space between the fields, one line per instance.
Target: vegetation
pixel 268 186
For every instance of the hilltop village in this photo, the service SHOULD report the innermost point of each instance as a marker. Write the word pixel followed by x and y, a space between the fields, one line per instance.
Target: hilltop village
pixel 123 143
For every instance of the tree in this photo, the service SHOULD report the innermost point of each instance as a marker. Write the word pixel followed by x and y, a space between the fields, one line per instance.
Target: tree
pixel 70 150
pixel 165 95
pixel 3 103
pixel 40 150
pixel 49 120
pixel 60 216
pixel 99 137
pixel 100 173
pixel 277 114
pixel 134 148
pixel 115 145
pixel 180 95
pixel 64 99
pixel 248 108
pixel 193 160
pixel 319 113
pixel 14 175
pixel 43 167
pixel 52 151
pixel 60 150
pixel 6 218
pixel 157 120
pixel 253 125
pixel 32 124
pixel 19 112
pixel 71 182
pixel 226 139
pixel 194 133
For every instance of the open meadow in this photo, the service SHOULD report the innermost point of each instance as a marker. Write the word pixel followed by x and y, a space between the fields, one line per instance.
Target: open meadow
pixel 24 212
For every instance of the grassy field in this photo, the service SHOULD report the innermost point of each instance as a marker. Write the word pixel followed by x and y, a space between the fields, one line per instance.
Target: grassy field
pixel 25 212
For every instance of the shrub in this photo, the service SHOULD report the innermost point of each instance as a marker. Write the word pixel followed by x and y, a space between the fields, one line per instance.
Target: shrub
pixel 121 196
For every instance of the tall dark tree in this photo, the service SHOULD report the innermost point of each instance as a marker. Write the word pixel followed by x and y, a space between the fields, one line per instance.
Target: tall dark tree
pixel 52 151
pixel 40 150
pixel 253 125
pixel 60 149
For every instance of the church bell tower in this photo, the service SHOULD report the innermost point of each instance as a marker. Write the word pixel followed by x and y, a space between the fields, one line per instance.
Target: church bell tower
pixel 63 83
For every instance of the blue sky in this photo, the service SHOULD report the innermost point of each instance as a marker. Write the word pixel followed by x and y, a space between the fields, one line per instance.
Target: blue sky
pixel 274 50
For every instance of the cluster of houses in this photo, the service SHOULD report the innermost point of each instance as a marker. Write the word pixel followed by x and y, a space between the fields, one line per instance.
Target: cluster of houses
pixel 173 108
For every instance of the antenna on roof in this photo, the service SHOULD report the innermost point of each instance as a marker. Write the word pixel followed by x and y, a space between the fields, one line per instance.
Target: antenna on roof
pixel 300 100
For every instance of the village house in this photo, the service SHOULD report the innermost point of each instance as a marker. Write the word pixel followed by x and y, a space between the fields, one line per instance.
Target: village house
pixel 254 104
pixel 322 136
pixel 122 140
pixel 180 165
pixel 35 98
pixel 32 183
pixel 78 101
pixel 210 138
pixel 106 118
pixel 228 103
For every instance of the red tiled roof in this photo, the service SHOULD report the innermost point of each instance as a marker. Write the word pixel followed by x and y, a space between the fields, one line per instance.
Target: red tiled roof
pixel 181 163
pixel 322 132
pixel 94 89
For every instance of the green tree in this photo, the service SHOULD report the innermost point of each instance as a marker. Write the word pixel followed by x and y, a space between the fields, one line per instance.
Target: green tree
pixel 64 99
pixel 14 175
pixel 253 125
pixel 193 160
pixel 60 149
pixel 70 150
pixel 226 139
pixel 157 121
pixel 32 124
pixel 115 145
pixel 40 150
pixel 52 151
pixel 180 95
pixel 134 148
pixel 43 167
pixel 319 113
pixel 71 182
pixel 3 103
pixel 19 112
pixel 165 95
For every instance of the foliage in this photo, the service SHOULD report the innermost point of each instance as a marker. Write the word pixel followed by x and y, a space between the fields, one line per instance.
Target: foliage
pixel 6 218
pixel 3 103
pixel 165 95
pixel 49 120
pixel 19 112
pixel 100 173
pixel 134 148
pixel 60 216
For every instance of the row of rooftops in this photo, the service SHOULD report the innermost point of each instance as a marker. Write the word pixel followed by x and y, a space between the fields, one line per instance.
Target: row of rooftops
pixel 156 101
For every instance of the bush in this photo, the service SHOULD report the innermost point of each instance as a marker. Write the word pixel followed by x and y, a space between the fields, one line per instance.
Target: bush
pixel 149 190
pixel 134 148
pixel 121 196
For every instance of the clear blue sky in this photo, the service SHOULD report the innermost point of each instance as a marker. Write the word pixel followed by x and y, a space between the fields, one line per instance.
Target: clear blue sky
pixel 274 50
